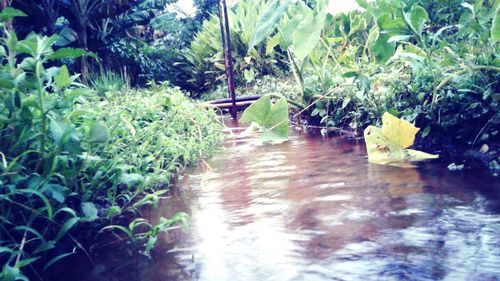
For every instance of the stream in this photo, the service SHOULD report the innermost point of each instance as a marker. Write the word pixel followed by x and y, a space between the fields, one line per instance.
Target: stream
pixel 315 209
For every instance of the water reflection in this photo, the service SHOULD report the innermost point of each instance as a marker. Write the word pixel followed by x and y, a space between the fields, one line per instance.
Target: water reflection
pixel 314 209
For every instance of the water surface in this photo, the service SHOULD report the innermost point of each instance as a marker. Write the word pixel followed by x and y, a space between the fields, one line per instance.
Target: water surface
pixel 314 209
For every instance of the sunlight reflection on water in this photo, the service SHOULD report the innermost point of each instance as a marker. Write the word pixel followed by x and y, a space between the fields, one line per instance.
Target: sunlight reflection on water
pixel 314 209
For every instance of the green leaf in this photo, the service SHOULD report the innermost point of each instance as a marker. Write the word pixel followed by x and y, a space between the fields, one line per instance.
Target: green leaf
pixel 272 43
pixel 308 32
pixel 9 13
pixel 25 262
pixel 119 227
pixel 90 211
pixel 386 22
pixel 63 79
pixel 272 118
pixel 399 38
pixel 382 49
pixel 99 133
pixel 66 227
pixel 65 135
pixel 131 179
pixel 56 259
pixel 418 18
pixel 150 245
pixel 268 22
pixel 57 192
pixel 45 247
pixel 249 74
pixel 10 273
pixel 60 130
pixel 495 28
pixel 66 37
pixel 363 4
pixel 66 53
pixel 113 211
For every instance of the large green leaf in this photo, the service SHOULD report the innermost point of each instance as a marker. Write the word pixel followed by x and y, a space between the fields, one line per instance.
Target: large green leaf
pixel 272 118
pixel 268 22
pixel 382 49
pixel 68 53
pixel 65 135
pixel 495 28
pixel 417 19
pixel 308 32
pixel 387 23
pixel 66 227
pixel 388 27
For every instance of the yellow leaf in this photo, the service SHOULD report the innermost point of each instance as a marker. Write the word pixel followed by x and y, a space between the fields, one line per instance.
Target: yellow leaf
pixel 398 131
pixel 415 155
pixel 380 149
pixel 387 145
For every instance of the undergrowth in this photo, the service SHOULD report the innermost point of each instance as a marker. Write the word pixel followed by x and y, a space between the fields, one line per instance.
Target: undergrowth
pixel 70 157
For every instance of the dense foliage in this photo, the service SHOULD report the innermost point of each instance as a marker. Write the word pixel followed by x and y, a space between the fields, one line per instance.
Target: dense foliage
pixel 70 158
pixel 139 38
pixel 433 63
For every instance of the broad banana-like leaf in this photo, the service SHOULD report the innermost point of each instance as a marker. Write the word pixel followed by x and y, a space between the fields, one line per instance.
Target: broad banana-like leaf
pixel 272 119
pixel 268 22
pixel 388 145
pixel 302 32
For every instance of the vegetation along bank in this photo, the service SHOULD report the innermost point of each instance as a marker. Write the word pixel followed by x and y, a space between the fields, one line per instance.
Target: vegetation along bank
pixel 98 108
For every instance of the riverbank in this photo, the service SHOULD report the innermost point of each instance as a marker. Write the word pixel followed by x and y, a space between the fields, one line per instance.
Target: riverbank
pixel 341 110
pixel 108 158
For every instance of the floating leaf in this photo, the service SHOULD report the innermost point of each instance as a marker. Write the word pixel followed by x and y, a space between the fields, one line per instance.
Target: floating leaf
pixel 387 145
pixel 272 118
pixel 398 131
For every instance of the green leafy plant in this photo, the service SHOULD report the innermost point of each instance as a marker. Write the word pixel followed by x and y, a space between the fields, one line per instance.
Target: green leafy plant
pixel 271 119
pixel 69 158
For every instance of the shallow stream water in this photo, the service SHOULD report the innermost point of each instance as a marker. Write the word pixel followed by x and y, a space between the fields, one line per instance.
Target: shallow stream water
pixel 315 209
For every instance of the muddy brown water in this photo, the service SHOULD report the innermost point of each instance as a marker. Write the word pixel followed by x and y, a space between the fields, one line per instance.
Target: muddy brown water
pixel 314 209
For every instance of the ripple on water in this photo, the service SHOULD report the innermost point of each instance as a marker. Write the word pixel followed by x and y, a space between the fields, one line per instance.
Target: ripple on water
pixel 314 209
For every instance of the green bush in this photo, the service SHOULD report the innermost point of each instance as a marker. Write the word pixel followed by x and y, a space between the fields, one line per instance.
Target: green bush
pixel 202 65
pixel 70 157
